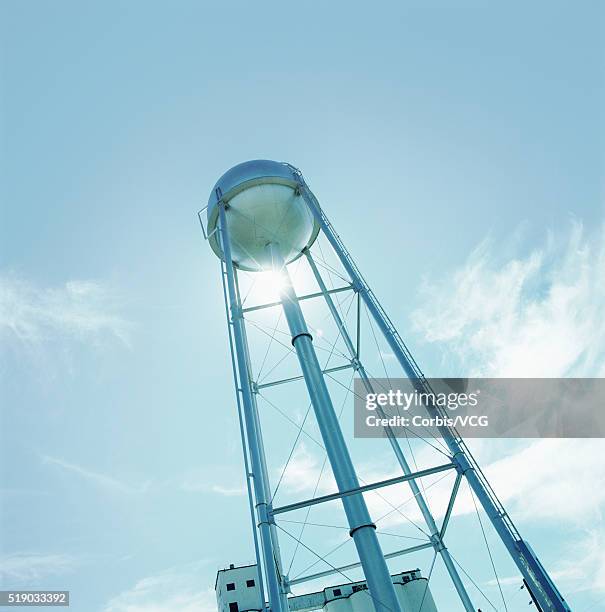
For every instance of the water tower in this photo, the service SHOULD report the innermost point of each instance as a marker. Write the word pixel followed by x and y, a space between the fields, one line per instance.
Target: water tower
pixel 260 218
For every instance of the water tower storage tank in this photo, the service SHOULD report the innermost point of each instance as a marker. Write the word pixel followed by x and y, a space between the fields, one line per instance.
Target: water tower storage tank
pixel 262 215
pixel 263 206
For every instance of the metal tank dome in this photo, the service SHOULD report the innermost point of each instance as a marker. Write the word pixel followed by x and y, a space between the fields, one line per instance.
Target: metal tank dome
pixel 263 206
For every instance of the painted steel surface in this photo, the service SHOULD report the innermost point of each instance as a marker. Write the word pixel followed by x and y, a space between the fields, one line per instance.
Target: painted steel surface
pixel 263 205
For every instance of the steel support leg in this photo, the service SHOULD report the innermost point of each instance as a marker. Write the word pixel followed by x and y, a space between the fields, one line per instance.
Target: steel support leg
pixel 362 530
pixel 436 539
pixel 261 486
pixel 245 452
pixel 284 588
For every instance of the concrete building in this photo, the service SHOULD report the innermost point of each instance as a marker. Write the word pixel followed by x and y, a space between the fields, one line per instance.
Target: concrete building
pixel 237 591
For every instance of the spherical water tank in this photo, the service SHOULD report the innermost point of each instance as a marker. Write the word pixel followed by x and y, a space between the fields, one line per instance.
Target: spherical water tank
pixel 263 206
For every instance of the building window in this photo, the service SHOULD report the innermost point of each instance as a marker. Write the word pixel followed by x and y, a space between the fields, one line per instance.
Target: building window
pixel 231 586
pixel 249 583
pixel 337 592
pixel 233 607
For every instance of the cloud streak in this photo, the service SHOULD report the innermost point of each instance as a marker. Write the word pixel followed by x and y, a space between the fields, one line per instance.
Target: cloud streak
pixel 538 315
pixel 217 479
pixel 31 568
pixel 581 567
pixel 176 588
pixel 97 478
pixel 79 310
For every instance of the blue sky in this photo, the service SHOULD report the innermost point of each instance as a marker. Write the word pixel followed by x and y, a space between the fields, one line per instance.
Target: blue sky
pixel 457 149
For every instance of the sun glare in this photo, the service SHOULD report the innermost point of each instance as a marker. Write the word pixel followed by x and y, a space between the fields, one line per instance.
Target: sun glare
pixel 269 284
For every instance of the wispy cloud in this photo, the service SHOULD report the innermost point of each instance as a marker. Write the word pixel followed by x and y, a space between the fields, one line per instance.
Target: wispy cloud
pixel 219 479
pixel 177 588
pixel 300 475
pixel 82 310
pixel 228 491
pixel 302 471
pixel 554 489
pixel 505 581
pixel 303 474
pixel 538 315
pixel 97 478
pixel 31 568
pixel 580 568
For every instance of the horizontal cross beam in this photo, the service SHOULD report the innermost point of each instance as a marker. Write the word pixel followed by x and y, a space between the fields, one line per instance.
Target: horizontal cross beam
pixel 363 489
pixel 309 296
pixel 294 378
pixel 344 568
